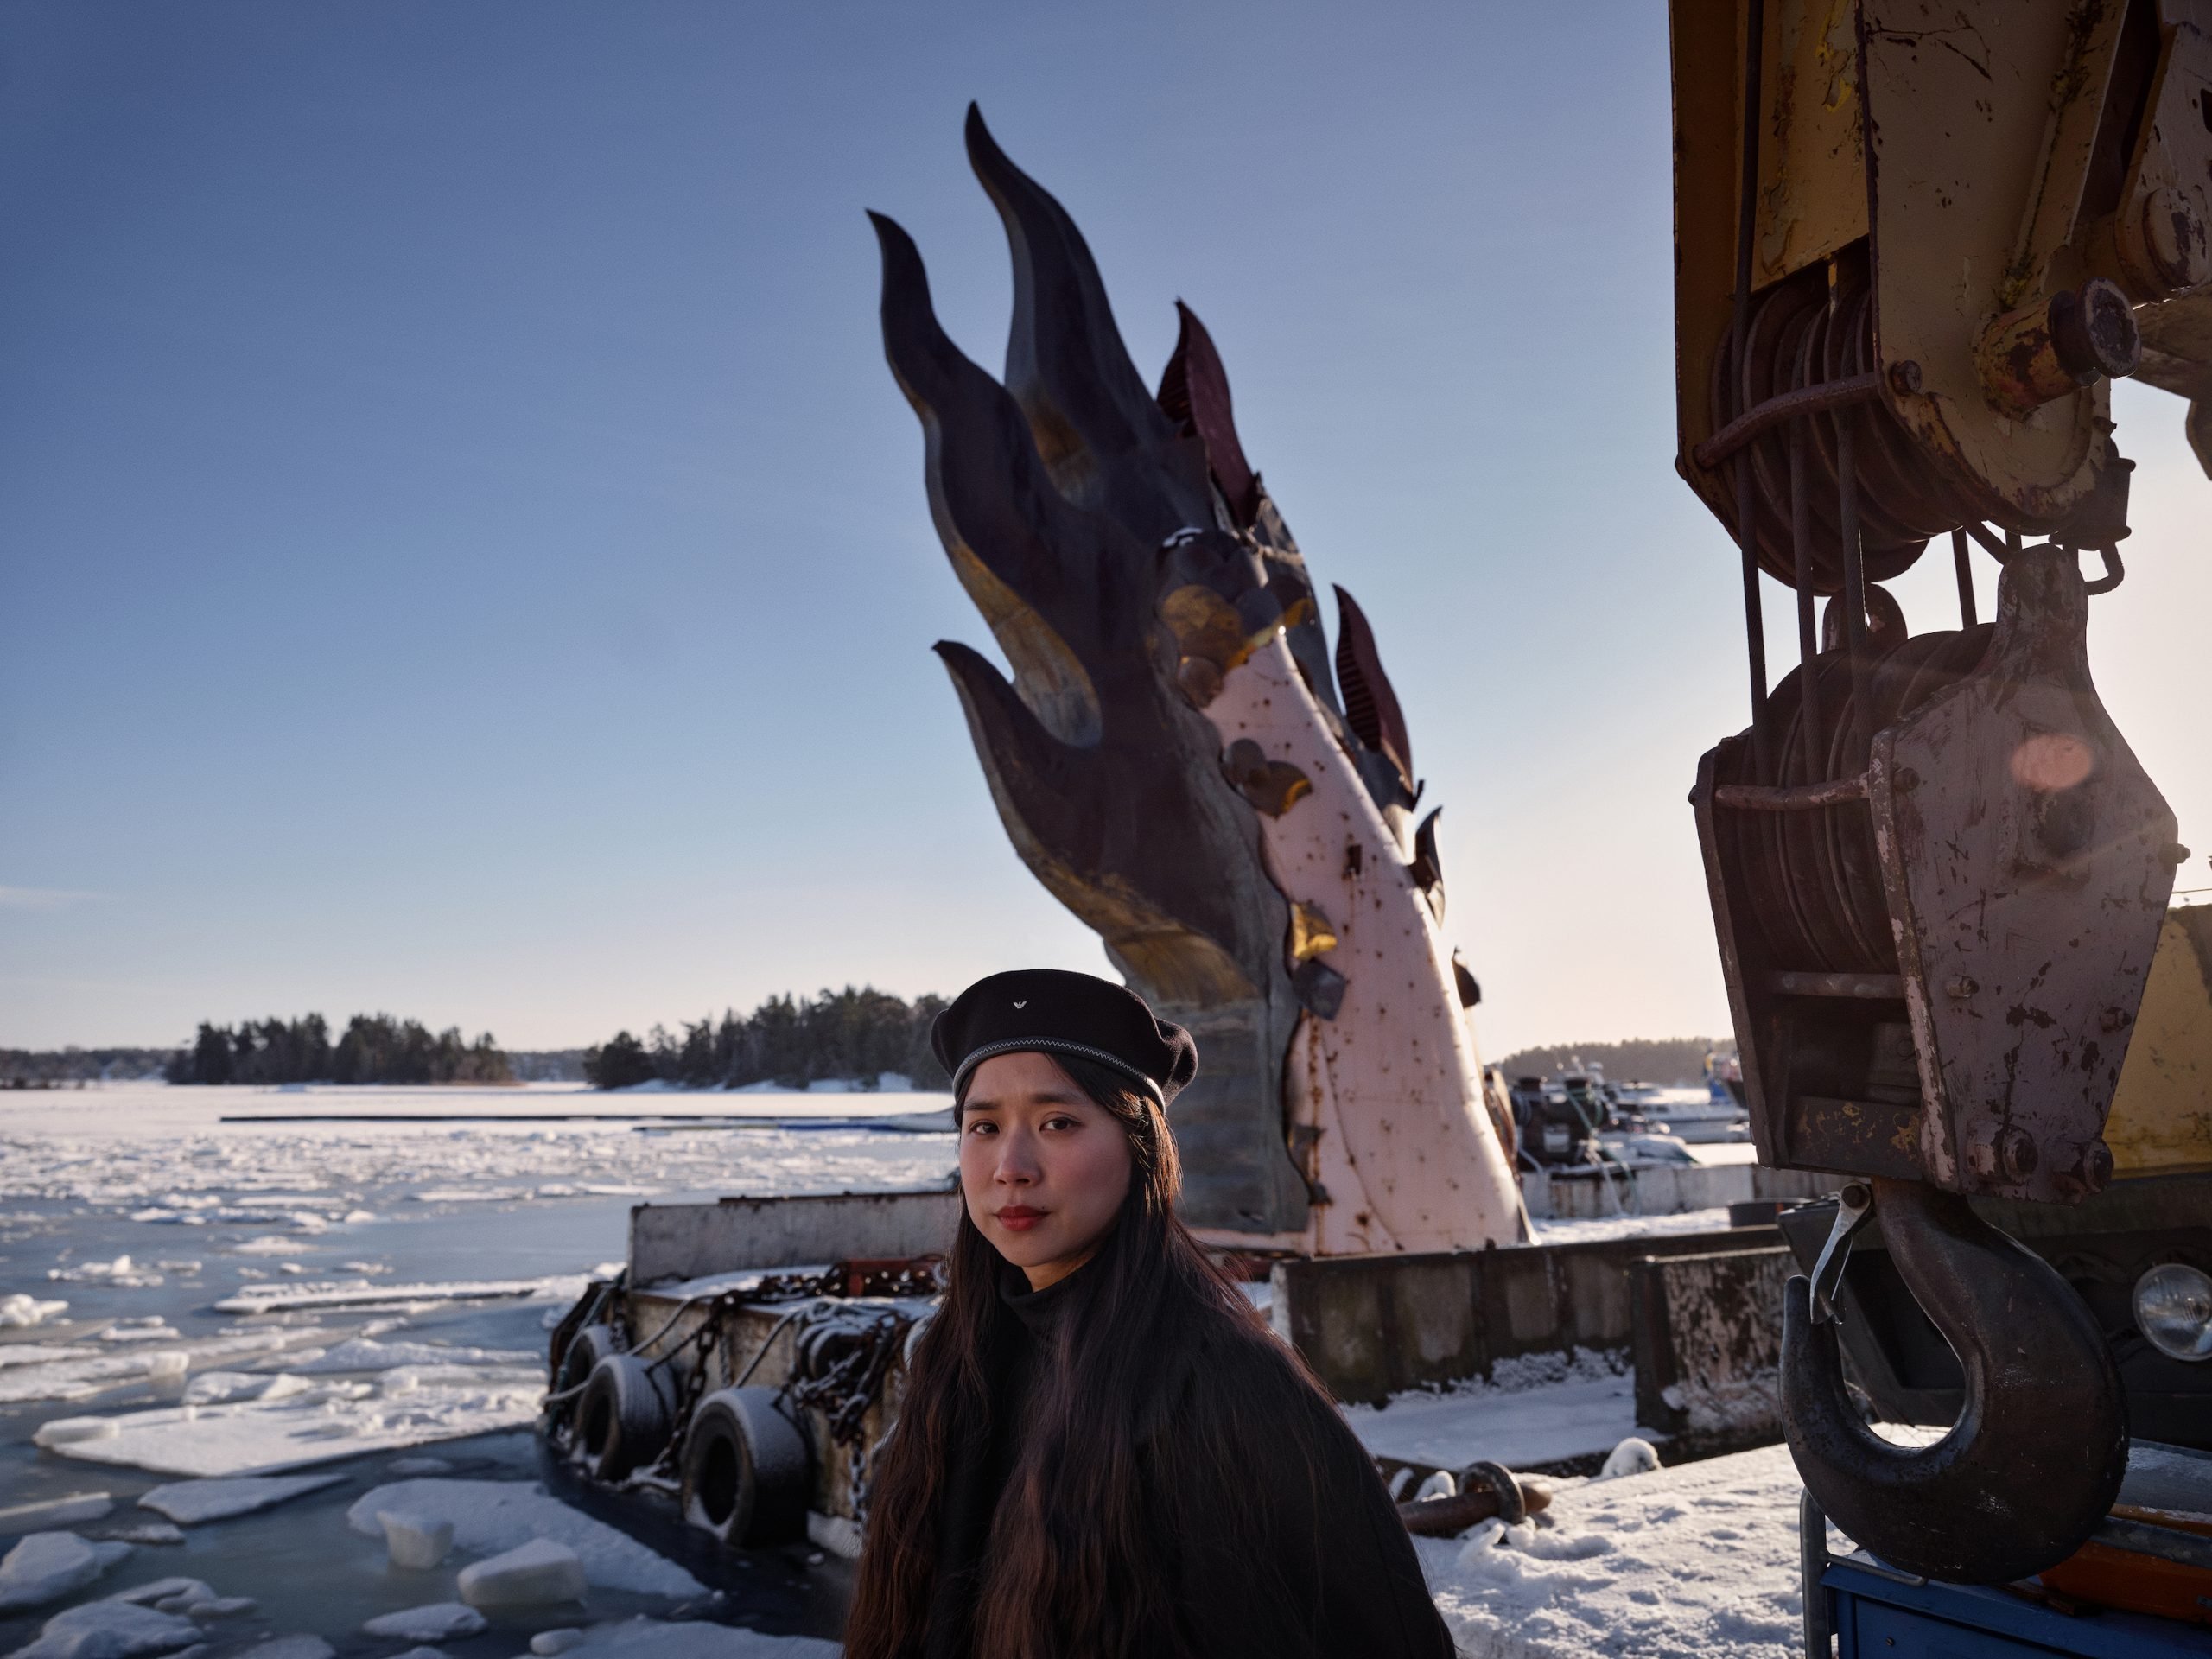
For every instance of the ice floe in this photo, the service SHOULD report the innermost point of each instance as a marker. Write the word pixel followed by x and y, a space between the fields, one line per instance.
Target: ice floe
pixel 47 1565
pixel 491 1516
pixel 19 1311
pixel 193 1597
pixel 121 1271
pixel 655 1638
pixel 189 1502
pixel 41 1353
pixel 540 1573
pixel 274 1299
pixel 366 1354
pixel 47 1513
pixel 416 1540
pixel 256 1437
pixel 154 1328
pixel 440 1622
pixel 147 1532
pixel 293 1646
pixel 118 1630
pixel 75 1374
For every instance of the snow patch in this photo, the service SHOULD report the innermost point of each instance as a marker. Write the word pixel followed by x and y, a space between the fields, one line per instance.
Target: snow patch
pixel 1535 1410
pixel 1695 1562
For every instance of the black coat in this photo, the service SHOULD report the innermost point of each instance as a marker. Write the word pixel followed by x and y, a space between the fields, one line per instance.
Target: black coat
pixel 1333 1575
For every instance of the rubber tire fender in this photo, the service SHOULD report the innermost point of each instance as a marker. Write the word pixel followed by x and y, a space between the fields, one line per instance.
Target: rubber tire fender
pixel 625 1416
pixel 578 1360
pixel 748 1471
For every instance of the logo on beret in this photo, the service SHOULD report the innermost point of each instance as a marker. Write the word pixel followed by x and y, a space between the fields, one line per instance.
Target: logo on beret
pixel 1021 1005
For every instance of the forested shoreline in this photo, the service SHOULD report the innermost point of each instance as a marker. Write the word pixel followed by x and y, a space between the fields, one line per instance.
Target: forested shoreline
pixel 373 1048
pixel 849 1035
pixel 852 1035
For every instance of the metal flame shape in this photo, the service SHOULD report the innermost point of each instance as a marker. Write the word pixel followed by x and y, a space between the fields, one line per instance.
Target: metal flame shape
pixel 1171 760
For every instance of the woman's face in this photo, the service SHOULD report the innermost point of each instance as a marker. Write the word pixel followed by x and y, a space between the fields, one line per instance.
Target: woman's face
pixel 1043 1166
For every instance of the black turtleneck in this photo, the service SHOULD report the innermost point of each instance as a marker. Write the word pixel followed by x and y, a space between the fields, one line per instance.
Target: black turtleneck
pixel 1233 1433
pixel 982 1462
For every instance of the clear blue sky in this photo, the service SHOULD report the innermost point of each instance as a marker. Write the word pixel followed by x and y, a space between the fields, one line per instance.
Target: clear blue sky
pixel 461 551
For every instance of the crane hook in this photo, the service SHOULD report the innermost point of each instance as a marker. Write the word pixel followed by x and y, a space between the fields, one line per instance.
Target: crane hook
pixel 2035 1460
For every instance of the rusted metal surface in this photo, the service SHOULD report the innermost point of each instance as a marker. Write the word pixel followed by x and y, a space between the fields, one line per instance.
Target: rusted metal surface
pixel 2014 847
pixel 1487 1491
pixel 2027 860
pixel 1785 798
pixel 1961 167
pixel 1763 417
pixel 1375 1327
pixel 2154 243
pixel 2054 347
pixel 1707 1343
pixel 2036 1458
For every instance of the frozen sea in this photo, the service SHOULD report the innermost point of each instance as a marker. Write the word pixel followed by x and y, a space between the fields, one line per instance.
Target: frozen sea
pixel 323 1294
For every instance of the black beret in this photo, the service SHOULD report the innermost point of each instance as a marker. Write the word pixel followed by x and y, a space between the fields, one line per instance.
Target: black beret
pixel 1044 1010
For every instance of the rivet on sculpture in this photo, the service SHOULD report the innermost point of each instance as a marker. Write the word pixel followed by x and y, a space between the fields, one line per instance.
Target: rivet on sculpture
pixel 1172 759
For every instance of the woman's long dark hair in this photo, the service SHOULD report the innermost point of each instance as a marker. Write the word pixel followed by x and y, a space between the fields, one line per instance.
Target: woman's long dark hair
pixel 1071 1569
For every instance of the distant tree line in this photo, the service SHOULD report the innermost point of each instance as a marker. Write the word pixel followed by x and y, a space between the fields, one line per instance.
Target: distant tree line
pixel 1641 1059
pixel 851 1034
pixel 374 1048
pixel 29 1068
pixel 546 1064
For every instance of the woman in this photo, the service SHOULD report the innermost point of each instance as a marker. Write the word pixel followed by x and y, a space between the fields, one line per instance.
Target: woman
pixel 1102 1449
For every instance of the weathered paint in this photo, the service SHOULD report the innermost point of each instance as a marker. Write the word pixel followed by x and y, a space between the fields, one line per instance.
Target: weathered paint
pixel 1391 1085
pixel 2161 1121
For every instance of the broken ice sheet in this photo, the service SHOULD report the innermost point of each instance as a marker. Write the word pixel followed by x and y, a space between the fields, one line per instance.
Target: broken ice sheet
pixel 270 1299
pixel 78 1373
pixel 266 1437
pixel 654 1638
pixel 70 1509
pixel 190 1503
pixel 493 1517
pixel 366 1354
pixel 45 1566
pixel 439 1622
pixel 115 1630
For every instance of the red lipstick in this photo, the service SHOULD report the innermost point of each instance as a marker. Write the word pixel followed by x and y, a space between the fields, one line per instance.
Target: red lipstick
pixel 1019 1217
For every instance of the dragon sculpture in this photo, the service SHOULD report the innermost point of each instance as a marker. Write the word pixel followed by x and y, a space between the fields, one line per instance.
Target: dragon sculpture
pixel 1172 759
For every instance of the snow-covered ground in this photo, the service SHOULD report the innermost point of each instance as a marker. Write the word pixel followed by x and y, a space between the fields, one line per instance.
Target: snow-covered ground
pixel 226 1345
pixel 1698 1562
